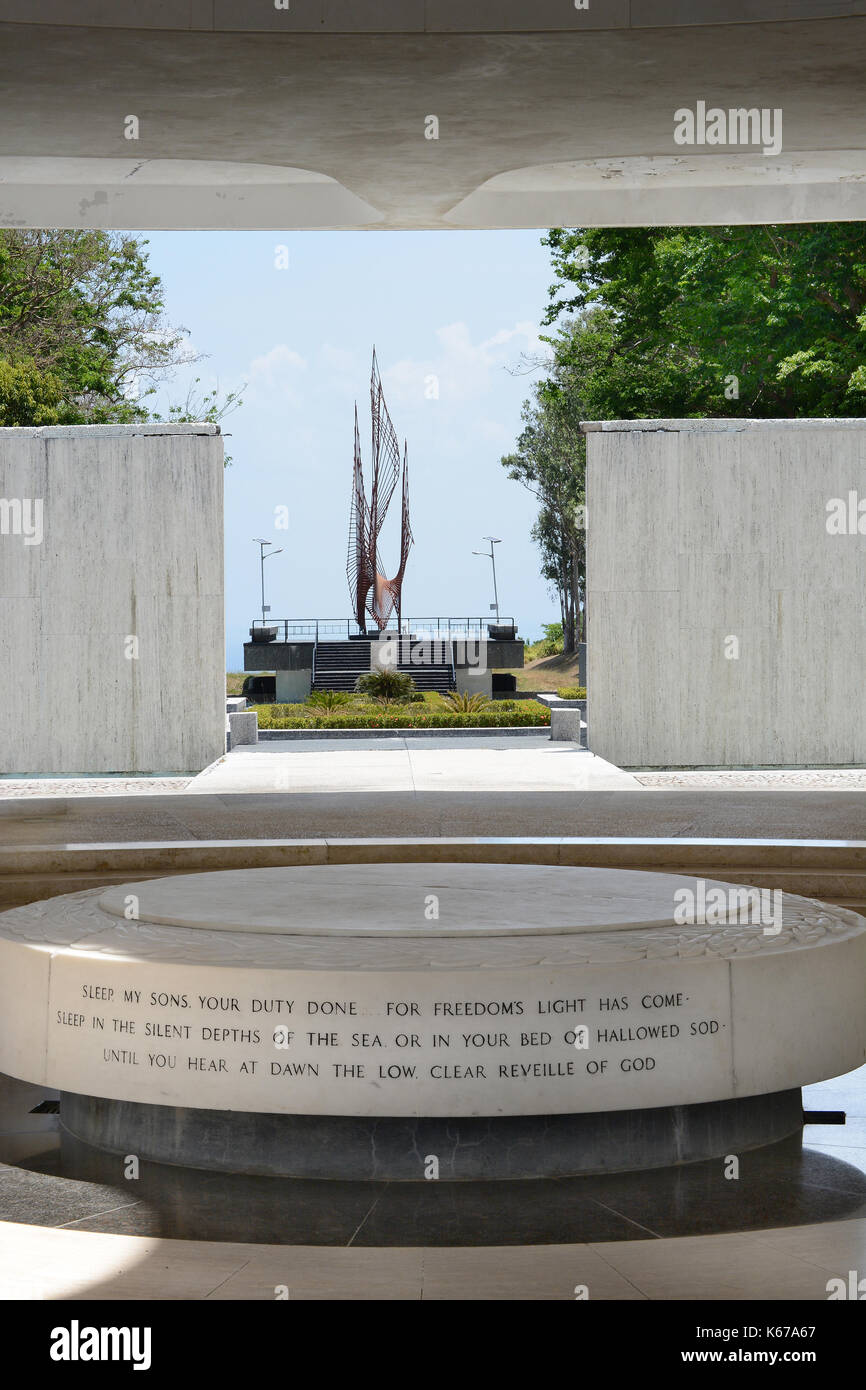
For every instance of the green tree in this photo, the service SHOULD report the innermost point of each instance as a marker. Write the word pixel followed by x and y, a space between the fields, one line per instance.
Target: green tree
pixel 550 461
pixel 679 322
pixel 716 321
pixel 28 396
pixel 84 338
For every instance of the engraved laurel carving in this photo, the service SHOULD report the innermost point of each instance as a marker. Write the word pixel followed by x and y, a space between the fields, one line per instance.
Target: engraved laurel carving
pixel 75 921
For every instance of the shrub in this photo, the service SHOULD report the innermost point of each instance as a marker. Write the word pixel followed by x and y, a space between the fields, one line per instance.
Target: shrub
pixel 572 692
pixel 553 639
pixel 462 703
pixel 530 714
pixel 328 699
pixel 271 716
pixel 386 686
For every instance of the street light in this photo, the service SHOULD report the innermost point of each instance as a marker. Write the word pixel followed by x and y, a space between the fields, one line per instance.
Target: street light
pixel 494 540
pixel 258 541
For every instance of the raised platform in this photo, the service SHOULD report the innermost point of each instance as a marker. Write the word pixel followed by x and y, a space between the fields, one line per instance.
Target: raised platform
pixel 377 1149
pixel 475 995
pixel 435 661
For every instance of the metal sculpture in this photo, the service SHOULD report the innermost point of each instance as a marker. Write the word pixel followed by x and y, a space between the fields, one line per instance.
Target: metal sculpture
pixel 371 592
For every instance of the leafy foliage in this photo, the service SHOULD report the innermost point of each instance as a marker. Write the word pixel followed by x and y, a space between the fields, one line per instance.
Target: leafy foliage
pixel 463 703
pixel 550 461
pixel 680 322
pixel 328 699
pixel 386 685
pixel 655 321
pixel 84 338
pixel 530 714
pixel 27 395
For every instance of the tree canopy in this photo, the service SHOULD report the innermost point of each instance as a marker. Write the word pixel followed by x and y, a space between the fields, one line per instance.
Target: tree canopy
pixel 84 337
pixel 549 460
pixel 679 322
pixel 712 321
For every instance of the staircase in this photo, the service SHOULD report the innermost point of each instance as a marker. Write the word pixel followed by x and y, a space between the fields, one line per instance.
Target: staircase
pixel 339 664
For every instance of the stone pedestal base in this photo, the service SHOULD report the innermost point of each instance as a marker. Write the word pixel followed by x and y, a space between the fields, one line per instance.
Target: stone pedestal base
pixel 401 1149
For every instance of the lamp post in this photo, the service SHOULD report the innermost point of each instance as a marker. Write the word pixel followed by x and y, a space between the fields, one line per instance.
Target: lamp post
pixel 259 542
pixel 491 556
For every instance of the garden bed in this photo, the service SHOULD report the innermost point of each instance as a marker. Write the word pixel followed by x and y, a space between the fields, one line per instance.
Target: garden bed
pixel 426 715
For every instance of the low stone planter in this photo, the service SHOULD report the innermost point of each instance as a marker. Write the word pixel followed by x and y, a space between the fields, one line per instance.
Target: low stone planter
pixel 494 731
pixel 554 702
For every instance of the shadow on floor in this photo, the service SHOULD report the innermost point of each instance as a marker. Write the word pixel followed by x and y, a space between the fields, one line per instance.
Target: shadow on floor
pixel 82 1188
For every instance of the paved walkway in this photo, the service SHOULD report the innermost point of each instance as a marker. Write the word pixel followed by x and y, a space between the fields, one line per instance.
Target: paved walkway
pixel 436 764
pixel 483 764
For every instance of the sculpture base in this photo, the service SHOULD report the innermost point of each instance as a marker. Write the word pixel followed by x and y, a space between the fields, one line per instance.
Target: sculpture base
pixel 351 1148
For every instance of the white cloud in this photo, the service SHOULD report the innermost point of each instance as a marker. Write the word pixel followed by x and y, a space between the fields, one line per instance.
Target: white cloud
pixel 495 432
pixel 464 370
pixel 338 359
pixel 274 375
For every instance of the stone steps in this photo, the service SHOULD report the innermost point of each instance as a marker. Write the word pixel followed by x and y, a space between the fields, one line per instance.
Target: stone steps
pixel 339 664
pixel 832 873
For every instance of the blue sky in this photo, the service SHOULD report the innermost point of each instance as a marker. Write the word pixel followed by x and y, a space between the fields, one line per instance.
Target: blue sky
pixel 460 306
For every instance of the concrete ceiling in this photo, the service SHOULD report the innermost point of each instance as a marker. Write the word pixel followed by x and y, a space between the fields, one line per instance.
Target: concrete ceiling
pixel 292 120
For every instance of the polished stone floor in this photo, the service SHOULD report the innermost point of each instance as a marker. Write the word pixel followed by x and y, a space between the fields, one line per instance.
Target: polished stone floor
pixel 782 1265
pixel 786 1184
pixel 794 1219
pixel 783 1184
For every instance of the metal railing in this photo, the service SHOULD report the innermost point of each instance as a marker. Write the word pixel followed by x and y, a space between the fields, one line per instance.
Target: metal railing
pixel 341 629
pixel 305 629
pixel 456 629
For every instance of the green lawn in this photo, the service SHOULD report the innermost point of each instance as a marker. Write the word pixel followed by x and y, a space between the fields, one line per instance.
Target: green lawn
pixel 547 674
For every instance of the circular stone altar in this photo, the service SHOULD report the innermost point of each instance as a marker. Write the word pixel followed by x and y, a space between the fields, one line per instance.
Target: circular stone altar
pixel 362 1020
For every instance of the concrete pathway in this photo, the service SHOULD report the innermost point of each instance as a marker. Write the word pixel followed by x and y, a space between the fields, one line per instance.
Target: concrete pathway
pixel 397 772
pixel 483 764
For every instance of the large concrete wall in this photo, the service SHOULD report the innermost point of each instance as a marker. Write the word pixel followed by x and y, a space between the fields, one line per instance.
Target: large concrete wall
pixel 131 547
pixel 703 531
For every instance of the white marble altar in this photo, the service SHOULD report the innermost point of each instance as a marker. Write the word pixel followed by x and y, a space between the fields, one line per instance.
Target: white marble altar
pixel 450 990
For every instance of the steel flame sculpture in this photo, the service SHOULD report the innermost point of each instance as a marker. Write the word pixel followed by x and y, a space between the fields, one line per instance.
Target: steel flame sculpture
pixel 371 592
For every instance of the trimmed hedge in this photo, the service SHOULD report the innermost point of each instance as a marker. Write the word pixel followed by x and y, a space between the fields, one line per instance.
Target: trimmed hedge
pixel 529 715
pixel 572 692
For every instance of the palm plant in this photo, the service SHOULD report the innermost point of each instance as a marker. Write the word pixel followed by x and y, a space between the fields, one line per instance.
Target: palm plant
pixel 328 699
pixel 463 703
pixel 386 686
